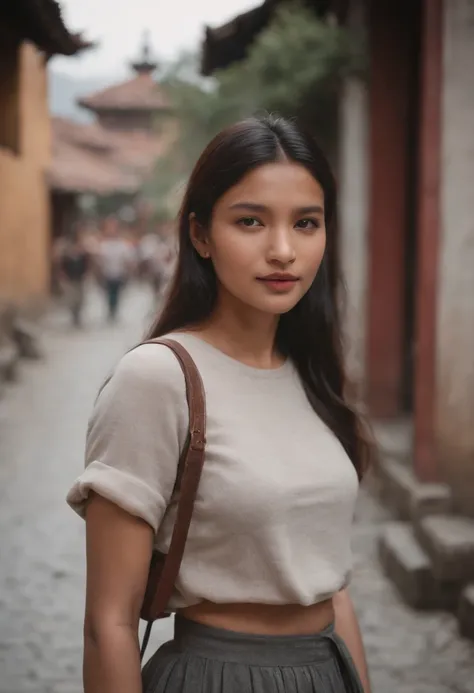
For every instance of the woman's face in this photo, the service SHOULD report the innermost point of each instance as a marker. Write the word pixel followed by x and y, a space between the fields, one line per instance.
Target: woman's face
pixel 267 237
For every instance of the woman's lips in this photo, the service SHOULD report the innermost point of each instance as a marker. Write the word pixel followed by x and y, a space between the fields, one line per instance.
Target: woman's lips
pixel 279 285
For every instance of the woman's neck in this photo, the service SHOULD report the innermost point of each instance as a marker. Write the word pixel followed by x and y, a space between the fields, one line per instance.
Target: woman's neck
pixel 244 334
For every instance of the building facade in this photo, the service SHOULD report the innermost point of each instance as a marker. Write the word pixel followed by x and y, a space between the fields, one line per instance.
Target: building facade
pixel 30 32
pixel 407 249
pixel 406 159
pixel 24 155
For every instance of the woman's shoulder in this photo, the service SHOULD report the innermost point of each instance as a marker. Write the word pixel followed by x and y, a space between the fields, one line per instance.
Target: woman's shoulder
pixel 147 367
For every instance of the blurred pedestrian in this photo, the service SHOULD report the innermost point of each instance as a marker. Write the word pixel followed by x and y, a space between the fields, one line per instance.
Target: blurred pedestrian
pixel 115 263
pixel 74 264
pixel 152 256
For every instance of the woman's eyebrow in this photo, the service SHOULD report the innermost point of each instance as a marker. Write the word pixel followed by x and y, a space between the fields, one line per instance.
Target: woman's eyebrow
pixel 254 207
pixel 312 209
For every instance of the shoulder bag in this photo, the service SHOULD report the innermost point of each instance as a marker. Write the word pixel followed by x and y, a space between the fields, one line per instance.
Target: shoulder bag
pixel 164 568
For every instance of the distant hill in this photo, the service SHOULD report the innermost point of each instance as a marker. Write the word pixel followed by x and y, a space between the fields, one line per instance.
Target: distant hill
pixel 64 91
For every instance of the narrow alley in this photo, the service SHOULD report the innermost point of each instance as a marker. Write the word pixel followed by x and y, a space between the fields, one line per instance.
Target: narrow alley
pixel 42 425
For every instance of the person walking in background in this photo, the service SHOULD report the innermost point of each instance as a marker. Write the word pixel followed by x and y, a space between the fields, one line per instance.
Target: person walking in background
pixel 115 264
pixel 73 266
pixel 152 258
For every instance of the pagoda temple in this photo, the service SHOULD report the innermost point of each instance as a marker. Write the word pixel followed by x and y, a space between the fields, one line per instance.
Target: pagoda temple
pixel 134 104
pixel 116 154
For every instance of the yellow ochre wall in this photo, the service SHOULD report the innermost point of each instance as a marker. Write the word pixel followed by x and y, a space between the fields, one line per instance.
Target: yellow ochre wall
pixel 24 198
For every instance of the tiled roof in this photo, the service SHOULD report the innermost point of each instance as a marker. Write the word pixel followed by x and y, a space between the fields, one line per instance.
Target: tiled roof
pixel 89 158
pixel 75 168
pixel 40 22
pixel 90 136
pixel 137 94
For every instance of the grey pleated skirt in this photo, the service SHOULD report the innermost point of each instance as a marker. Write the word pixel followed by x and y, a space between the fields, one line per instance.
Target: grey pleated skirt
pixel 201 659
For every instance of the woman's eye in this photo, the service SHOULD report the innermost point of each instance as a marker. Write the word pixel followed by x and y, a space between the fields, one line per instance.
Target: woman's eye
pixel 249 222
pixel 308 224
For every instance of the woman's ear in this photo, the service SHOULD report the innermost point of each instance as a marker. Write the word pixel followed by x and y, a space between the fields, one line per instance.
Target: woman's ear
pixel 198 236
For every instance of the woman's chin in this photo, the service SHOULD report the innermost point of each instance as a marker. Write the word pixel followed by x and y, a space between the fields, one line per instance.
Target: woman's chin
pixel 278 306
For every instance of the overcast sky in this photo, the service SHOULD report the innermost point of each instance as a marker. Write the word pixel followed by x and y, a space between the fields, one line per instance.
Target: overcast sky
pixel 118 25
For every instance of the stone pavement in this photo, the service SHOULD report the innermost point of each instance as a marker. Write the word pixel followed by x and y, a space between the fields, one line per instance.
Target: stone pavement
pixel 42 425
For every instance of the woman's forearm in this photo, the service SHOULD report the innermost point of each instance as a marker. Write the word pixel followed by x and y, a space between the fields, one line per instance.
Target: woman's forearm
pixel 347 627
pixel 112 661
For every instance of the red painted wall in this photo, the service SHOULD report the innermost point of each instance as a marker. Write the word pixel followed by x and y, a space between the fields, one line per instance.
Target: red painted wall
pixel 388 159
pixel 428 240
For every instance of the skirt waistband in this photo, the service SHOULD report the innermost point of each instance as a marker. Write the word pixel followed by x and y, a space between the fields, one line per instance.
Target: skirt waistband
pixel 257 650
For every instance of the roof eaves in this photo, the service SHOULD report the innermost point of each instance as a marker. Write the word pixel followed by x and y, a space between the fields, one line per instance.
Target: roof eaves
pixel 41 23
pixel 230 42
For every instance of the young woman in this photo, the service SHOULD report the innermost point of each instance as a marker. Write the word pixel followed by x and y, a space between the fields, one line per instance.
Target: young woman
pixel 261 601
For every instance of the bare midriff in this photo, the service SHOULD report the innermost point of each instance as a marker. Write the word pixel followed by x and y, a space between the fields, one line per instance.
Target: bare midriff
pixel 263 619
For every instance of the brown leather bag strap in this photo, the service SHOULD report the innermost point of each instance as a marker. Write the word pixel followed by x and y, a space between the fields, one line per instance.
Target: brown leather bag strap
pixel 189 474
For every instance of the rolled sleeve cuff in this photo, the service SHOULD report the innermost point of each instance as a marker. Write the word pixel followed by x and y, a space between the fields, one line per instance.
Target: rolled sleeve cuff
pixel 119 487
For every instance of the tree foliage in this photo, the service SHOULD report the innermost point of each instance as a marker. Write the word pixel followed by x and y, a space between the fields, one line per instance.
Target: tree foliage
pixel 294 67
pixel 294 61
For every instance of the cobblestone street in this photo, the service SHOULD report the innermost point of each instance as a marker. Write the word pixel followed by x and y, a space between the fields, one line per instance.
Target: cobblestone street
pixel 42 425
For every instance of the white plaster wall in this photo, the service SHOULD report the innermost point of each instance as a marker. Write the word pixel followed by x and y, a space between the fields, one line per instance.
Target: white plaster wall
pixel 353 213
pixel 455 328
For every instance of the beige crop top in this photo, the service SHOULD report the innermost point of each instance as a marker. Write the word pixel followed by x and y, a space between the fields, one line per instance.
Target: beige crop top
pixel 272 521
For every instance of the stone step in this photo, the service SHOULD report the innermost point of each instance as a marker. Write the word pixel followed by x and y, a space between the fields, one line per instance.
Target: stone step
pixel 8 361
pixel 449 542
pixel 405 563
pixel 466 612
pixel 406 496
pixel 409 567
pixel 26 336
pixel 394 438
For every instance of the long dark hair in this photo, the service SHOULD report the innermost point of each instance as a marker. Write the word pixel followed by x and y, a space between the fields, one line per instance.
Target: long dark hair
pixel 310 333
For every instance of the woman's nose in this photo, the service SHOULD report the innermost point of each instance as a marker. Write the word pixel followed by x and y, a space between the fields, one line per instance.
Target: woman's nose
pixel 280 248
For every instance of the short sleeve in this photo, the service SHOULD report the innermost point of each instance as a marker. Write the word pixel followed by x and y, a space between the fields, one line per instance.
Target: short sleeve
pixel 135 435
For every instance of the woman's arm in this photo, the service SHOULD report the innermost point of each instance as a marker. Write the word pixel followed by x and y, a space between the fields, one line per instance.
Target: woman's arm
pixel 119 549
pixel 347 627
